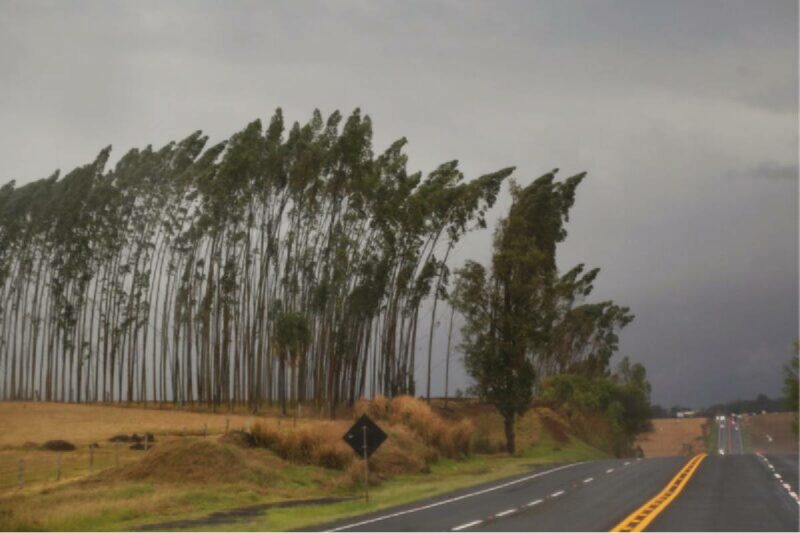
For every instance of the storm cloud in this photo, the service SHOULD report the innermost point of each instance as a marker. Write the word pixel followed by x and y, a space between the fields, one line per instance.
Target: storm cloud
pixel 684 114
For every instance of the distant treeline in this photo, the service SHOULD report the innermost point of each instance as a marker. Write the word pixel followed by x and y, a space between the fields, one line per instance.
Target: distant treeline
pixel 284 263
pixel 757 405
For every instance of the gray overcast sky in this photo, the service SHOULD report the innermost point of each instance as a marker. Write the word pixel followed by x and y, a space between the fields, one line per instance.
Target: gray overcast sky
pixel 684 114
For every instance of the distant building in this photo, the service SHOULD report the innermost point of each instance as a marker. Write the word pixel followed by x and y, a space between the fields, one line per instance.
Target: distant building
pixel 686 414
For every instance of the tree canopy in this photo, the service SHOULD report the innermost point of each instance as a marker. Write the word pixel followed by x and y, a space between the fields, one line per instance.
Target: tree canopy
pixel 523 320
pixel 193 273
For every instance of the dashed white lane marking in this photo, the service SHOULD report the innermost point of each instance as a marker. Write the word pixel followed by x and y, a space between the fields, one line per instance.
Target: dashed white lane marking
pixel 455 499
pixel 506 512
pixel 786 486
pixel 468 524
pixel 588 480
pixel 609 470
pixel 626 463
pixel 557 494
pixel 534 502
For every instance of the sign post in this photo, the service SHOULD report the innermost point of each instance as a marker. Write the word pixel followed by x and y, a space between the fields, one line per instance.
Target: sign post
pixel 366 466
pixel 365 442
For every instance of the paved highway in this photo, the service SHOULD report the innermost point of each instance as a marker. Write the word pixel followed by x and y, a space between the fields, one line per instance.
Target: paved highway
pixel 729 436
pixel 732 492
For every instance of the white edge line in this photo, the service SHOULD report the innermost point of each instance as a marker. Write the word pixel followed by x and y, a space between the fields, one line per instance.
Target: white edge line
pixel 557 494
pixel 457 498
pixel 504 513
pixel 468 524
pixel 534 502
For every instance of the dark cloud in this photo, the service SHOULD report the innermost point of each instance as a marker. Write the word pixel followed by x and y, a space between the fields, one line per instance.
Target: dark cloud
pixel 775 171
pixel 661 102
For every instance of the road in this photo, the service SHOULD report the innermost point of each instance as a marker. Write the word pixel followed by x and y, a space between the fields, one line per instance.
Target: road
pixel 732 492
pixel 729 436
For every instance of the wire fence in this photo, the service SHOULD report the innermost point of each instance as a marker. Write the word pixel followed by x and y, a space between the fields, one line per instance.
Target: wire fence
pixel 21 468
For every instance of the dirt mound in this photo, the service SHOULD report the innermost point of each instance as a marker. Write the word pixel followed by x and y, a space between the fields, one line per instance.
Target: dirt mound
pixel 58 446
pixel 187 461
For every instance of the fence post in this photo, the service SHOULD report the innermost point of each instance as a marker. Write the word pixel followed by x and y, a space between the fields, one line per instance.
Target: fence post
pixel 21 473
pixel 91 458
pixel 58 467
pixel 227 424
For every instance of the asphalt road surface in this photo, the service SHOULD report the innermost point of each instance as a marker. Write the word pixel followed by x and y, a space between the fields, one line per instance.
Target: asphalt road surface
pixel 732 492
pixel 729 436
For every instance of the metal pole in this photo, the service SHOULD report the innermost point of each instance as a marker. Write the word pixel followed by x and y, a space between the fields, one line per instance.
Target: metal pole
pixel 366 465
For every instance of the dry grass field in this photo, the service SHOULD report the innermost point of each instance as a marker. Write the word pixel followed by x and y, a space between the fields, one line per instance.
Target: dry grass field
pixel 189 472
pixel 22 422
pixel 771 433
pixel 674 436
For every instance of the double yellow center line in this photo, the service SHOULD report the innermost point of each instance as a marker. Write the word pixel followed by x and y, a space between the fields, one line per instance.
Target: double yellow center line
pixel 641 517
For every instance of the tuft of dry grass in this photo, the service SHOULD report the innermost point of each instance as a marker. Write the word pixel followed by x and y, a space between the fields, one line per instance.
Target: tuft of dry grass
pixel 315 443
pixel 453 440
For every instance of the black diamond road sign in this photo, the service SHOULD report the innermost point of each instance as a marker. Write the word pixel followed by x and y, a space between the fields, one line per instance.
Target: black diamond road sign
pixel 355 436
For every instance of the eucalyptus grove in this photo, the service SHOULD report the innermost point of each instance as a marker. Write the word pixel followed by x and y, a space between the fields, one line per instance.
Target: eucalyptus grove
pixel 282 261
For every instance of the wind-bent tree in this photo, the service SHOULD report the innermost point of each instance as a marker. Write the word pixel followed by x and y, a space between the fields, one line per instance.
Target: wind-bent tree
pixel 171 276
pixel 520 316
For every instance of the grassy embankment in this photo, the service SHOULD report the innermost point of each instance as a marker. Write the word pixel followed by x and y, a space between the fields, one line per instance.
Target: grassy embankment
pixel 189 476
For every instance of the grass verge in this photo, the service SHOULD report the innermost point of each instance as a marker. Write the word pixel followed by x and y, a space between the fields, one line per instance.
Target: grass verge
pixel 445 476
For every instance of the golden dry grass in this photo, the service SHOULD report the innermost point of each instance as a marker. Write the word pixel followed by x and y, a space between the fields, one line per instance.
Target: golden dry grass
pixel 778 426
pixel 673 436
pixel 189 476
pixel 22 422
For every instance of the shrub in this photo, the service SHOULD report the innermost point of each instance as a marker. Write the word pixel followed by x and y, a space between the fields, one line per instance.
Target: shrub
pixel 266 436
pixel 335 455
pixel 452 440
pixel 317 444
pixel 58 446
pixel 379 408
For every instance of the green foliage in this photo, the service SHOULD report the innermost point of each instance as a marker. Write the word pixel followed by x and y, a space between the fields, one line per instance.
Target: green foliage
pixel 622 399
pixel 190 273
pixel 521 315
